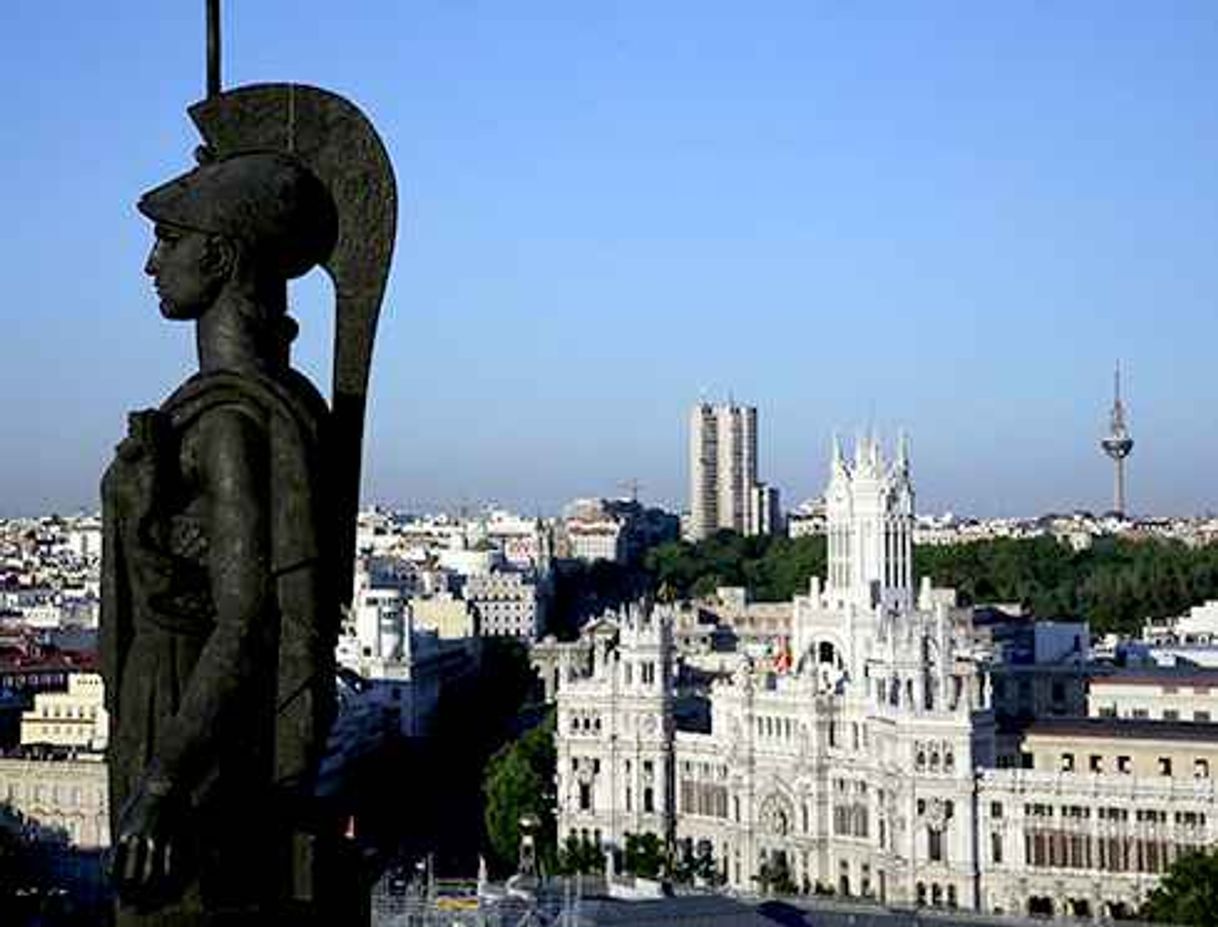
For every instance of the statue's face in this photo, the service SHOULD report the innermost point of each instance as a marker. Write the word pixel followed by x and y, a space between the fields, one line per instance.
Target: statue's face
pixel 186 271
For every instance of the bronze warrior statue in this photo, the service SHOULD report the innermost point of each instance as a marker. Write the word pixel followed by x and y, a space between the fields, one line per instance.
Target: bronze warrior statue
pixel 229 521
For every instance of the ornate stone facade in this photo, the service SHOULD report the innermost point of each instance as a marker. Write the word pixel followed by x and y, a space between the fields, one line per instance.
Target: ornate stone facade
pixel 863 757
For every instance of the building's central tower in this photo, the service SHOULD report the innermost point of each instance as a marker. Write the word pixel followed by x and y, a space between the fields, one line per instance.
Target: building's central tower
pixel 1117 445
pixel 869 506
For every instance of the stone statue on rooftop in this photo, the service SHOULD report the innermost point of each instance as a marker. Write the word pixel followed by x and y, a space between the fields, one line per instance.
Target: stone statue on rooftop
pixel 229 520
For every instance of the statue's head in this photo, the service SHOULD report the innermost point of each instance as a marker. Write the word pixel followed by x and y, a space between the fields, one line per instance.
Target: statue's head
pixel 256 219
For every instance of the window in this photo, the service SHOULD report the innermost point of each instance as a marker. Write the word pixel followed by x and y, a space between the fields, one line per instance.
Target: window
pixel 1201 716
pixel 628 672
pixel 1171 714
pixel 596 766
pixel 934 844
pixel 996 847
pixel 1165 766
pixel 1124 764
pixel 951 896
pixel 649 800
pixel 1140 713
pixel 1095 763
pixel 1067 762
pixel 648 672
pixel 585 797
pixel 921 893
pixel 629 797
pixel 1026 761
pixel 1201 768
pixel 996 810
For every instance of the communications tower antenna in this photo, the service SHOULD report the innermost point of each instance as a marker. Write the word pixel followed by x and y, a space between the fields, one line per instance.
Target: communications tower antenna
pixel 1117 445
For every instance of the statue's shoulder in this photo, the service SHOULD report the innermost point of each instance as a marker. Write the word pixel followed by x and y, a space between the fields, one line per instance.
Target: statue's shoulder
pixel 289 398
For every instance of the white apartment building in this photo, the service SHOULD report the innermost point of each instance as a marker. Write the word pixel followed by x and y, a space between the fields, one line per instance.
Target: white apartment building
pixel 869 762
pixel 1162 693
pixel 76 718
pixel 505 604
pixel 1198 626
pixel 765 516
pixel 526 543
pixel 603 540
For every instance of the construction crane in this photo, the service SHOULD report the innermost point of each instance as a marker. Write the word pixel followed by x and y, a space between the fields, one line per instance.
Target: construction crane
pixel 632 486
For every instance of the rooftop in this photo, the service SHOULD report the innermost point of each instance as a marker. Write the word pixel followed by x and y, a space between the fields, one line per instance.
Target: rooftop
pixel 1125 729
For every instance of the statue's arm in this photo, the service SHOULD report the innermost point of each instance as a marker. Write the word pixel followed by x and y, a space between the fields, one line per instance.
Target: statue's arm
pixel 239 654
pixel 115 607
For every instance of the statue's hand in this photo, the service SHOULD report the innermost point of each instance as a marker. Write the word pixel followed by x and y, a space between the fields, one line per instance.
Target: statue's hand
pixel 147 860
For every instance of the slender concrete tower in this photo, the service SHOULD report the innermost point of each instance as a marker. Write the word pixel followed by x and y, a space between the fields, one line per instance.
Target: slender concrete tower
pixel 1117 445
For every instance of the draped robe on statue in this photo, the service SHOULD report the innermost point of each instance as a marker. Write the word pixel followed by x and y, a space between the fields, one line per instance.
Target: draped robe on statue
pixel 232 708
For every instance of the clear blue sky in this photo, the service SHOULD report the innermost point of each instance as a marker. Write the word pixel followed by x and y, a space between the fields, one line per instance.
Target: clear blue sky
pixel 947 217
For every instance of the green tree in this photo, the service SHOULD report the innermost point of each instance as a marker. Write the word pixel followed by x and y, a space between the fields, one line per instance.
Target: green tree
pixel 773 569
pixel 697 866
pixel 1115 585
pixel 644 855
pixel 775 876
pixel 519 780
pixel 1188 893
pixel 579 855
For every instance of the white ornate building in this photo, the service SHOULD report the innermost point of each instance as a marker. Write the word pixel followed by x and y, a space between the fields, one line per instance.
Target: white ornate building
pixel 864 757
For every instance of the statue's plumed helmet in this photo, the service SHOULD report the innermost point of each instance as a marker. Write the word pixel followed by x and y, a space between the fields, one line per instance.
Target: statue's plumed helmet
pixel 268 201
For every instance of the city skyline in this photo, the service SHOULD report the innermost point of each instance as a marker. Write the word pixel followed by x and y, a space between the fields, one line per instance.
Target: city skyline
pixel 945 221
